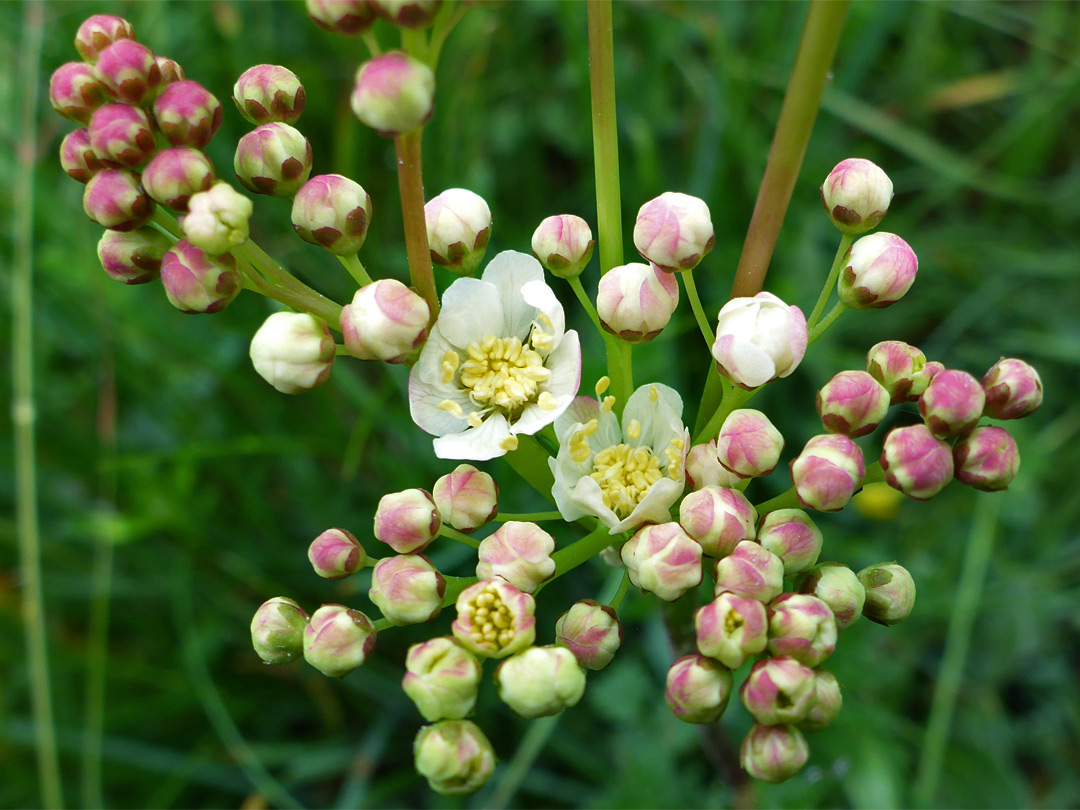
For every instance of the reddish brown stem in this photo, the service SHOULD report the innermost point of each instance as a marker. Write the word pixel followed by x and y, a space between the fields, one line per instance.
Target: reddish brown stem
pixel 411 184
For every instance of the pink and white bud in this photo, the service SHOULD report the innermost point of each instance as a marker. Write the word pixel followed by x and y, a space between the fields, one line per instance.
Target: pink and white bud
pixel 121 135
pixel 703 468
pixel 273 159
pixel 494 619
pixel 878 271
pixel 852 403
pixel 590 631
pixel 731 628
pixel 921 381
pixel 115 199
pixel 827 472
pixel 778 691
pixel 698 689
pixel 394 94
pixel 293 351
pixel 336 554
pixel 75 91
pixel 773 753
pixel 333 212
pixel 749 445
pixel 407 13
pixel 466 498
pixel 128 71
pixel 674 231
pixel 837 586
pixel 407 589
pixel 170 71
pixel 518 552
pixel 563 244
pixel 77 156
pixel 277 630
pixel 173 176
pixel 826 703
pixel 407 521
pixel 218 218
pixel 347 17
pixel 952 403
pixel 791 535
pixel 916 462
pixel 986 459
pixel 759 339
pixel 454 756
pixel 458 229
pixel 803 627
pixel 890 593
pixel 1013 389
pixel 718 519
pixel 663 559
pixel 750 571
pixel 188 114
pixel 442 678
pixel 385 321
pixel 895 364
pixel 196 282
pixel 266 93
pixel 635 301
pixel 540 681
pixel 98 32
pixel 133 257
pixel 856 195
pixel 337 640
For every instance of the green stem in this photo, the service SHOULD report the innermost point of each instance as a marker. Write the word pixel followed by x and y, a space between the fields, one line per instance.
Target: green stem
pixel 820 36
pixel 534 517
pixel 584 549
pixel 620 594
pixel 716 387
pixel 445 21
pixel 532 744
pixel 826 322
pixel 587 305
pixel 454 534
pixel 356 269
pixel 411 185
pixel 830 282
pixel 372 42
pixel 699 311
pixel 167 222
pixel 734 398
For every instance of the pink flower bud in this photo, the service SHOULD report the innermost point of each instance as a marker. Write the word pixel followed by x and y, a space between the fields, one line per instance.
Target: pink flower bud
pixel 196 282
pixel 791 535
pixel 663 559
pixel 827 472
pixel 518 552
pixel 277 630
pixel 385 321
pixel 952 403
pixel 466 498
pixel 133 257
pixel 407 521
pixel 218 219
pixel 266 93
pixel 407 589
pixel 128 71
pixel 750 571
pixel 336 554
pixel 494 619
pixel 75 91
pixel 895 364
pixel 332 212
pixel 856 195
pixel 273 159
pixel 674 231
pixel 826 703
pixel 121 136
pixel 170 71
pixel 99 32
pixel 921 380
pixel 1013 389
pixel 986 459
pixel 878 270
pixel 590 631
pixel 773 753
pixel 890 593
pixel 293 351
pixel 703 468
pixel 916 462
pixel 759 339
pixel 393 94
pixel 407 13
pixel 188 114
pixel 698 689
pixel 564 245
pixel 731 628
pixel 801 626
pixel 718 519
pixel 540 681
pixel 453 755
pixel 442 678
pixel 852 403
pixel 778 690
pixel 635 301
pixel 837 586
pixel 749 445
pixel 114 199
pixel 347 17
pixel 77 156
pixel 458 229
pixel 337 640
pixel 174 175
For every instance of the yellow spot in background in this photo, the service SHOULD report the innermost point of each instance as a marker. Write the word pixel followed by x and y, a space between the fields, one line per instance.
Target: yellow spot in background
pixel 878 501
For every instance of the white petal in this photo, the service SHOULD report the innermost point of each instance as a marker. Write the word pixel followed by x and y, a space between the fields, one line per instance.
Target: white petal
pixel 424 401
pixel 429 365
pixel 471 310
pixel 746 363
pixel 654 507
pixel 661 421
pixel 588 497
pixel 538 294
pixel 580 411
pixel 566 478
pixel 475 444
pixel 509 271
pixel 565 366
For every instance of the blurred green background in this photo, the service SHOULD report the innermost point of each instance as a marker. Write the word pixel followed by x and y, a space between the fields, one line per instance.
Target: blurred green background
pixel 204 502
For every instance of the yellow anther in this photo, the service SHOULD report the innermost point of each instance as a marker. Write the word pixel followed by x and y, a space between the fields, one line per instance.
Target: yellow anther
pixel 474 420
pixel 502 373
pixel 602 385
pixel 590 427
pixel 546 401
pixel 450 407
pixel 654 394
pixel 633 430
pixel 607 404
pixel 490 620
pixel 625 474
pixel 510 443
pixel 678 443
pixel 450 363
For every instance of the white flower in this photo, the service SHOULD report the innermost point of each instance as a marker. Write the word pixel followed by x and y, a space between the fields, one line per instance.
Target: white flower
pixel 759 339
pixel 624 476
pixel 218 219
pixel 498 362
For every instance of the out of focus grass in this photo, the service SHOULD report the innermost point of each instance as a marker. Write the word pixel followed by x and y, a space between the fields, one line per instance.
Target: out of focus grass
pixel 221 483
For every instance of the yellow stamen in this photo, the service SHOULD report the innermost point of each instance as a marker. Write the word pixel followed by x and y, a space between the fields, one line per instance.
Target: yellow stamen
pixel 607 404
pixel 625 474
pixel 633 430
pixel 510 443
pixel 654 395
pixel 502 374
pixel 489 620
pixel 450 407
pixel 546 401
pixel 474 420
pixel 450 363
pixel 602 385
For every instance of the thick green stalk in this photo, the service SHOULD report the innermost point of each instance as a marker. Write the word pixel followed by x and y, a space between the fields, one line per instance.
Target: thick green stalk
pixel 534 517
pixel 532 744
pixel 356 269
pixel 583 550
pixel 453 534
pixel 411 185
pixel 699 311
pixel 826 322
pixel 830 281
pixel 734 398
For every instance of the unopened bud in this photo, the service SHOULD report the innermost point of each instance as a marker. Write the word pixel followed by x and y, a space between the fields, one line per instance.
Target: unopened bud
pixel 698 689
pixel 98 32
pixel 128 71
pixel 115 199
pixel 466 498
pixel 407 13
pixel 801 626
pixel 827 472
pixel 293 351
pixel 174 175
pixel 273 159
pixel 750 571
pixel 442 678
pixel 218 219
pixel 916 462
pixel 121 135
pixel 590 631
pixel 407 588
pixel 77 156
pixel 75 91
pixel 895 364
pixel 731 628
pixel 952 403
pixel 826 703
pixel 856 195
pixel 564 245
pixel 266 93
pixel 773 753
pixel 674 231
pixel 759 339
pixel 394 94
pixel 454 756
pixel 878 270
pixel 385 321
pixel 518 552
pixel 1013 389
pixel 337 640
pixel 749 445
pixel 458 229
pixel 277 630
pixel 170 71
pixel 133 257
pixel 336 554
pixel 922 378
pixel 718 519
pixel 792 536
pixel 837 586
pixel 703 468
pixel 778 690
pixel 494 619
pixel 196 282
pixel 540 681
pixel 407 521
pixel 346 17
pixel 890 593
pixel 188 114
pixel 986 459
pixel 635 301
pixel 332 212
pixel 852 403
pixel 663 559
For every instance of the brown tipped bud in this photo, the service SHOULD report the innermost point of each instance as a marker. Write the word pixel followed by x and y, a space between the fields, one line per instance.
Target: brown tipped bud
pixel 293 351
pixel 273 159
pixel 1013 389
pixel 188 114
pixel 852 403
pixel 116 200
pixel 466 498
pixel 175 175
pixel 952 404
pixel 792 536
pixel 407 13
pixel 129 71
pixel 856 195
pixel 77 156
pixel 266 93
pixel 664 560
pixel 337 640
pixel 133 257
pixel 336 554
pixel 75 91
pixel 590 631
pixel 99 32
pixel 277 630
pixel 407 521
pixel 986 459
pixel 674 231
pixel 347 17
pixel 890 593
pixel 718 519
pixel 407 589
pixel 196 282
pixel 698 689
pixel 333 212
pixel 564 245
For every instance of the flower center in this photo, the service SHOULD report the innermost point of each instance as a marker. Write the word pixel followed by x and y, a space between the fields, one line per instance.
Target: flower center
pixel 502 373
pixel 490 621
pixel 625 474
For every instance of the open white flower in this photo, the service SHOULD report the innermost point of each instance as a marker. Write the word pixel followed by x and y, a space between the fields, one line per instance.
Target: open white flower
pixel 624 476
pixel 498 362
